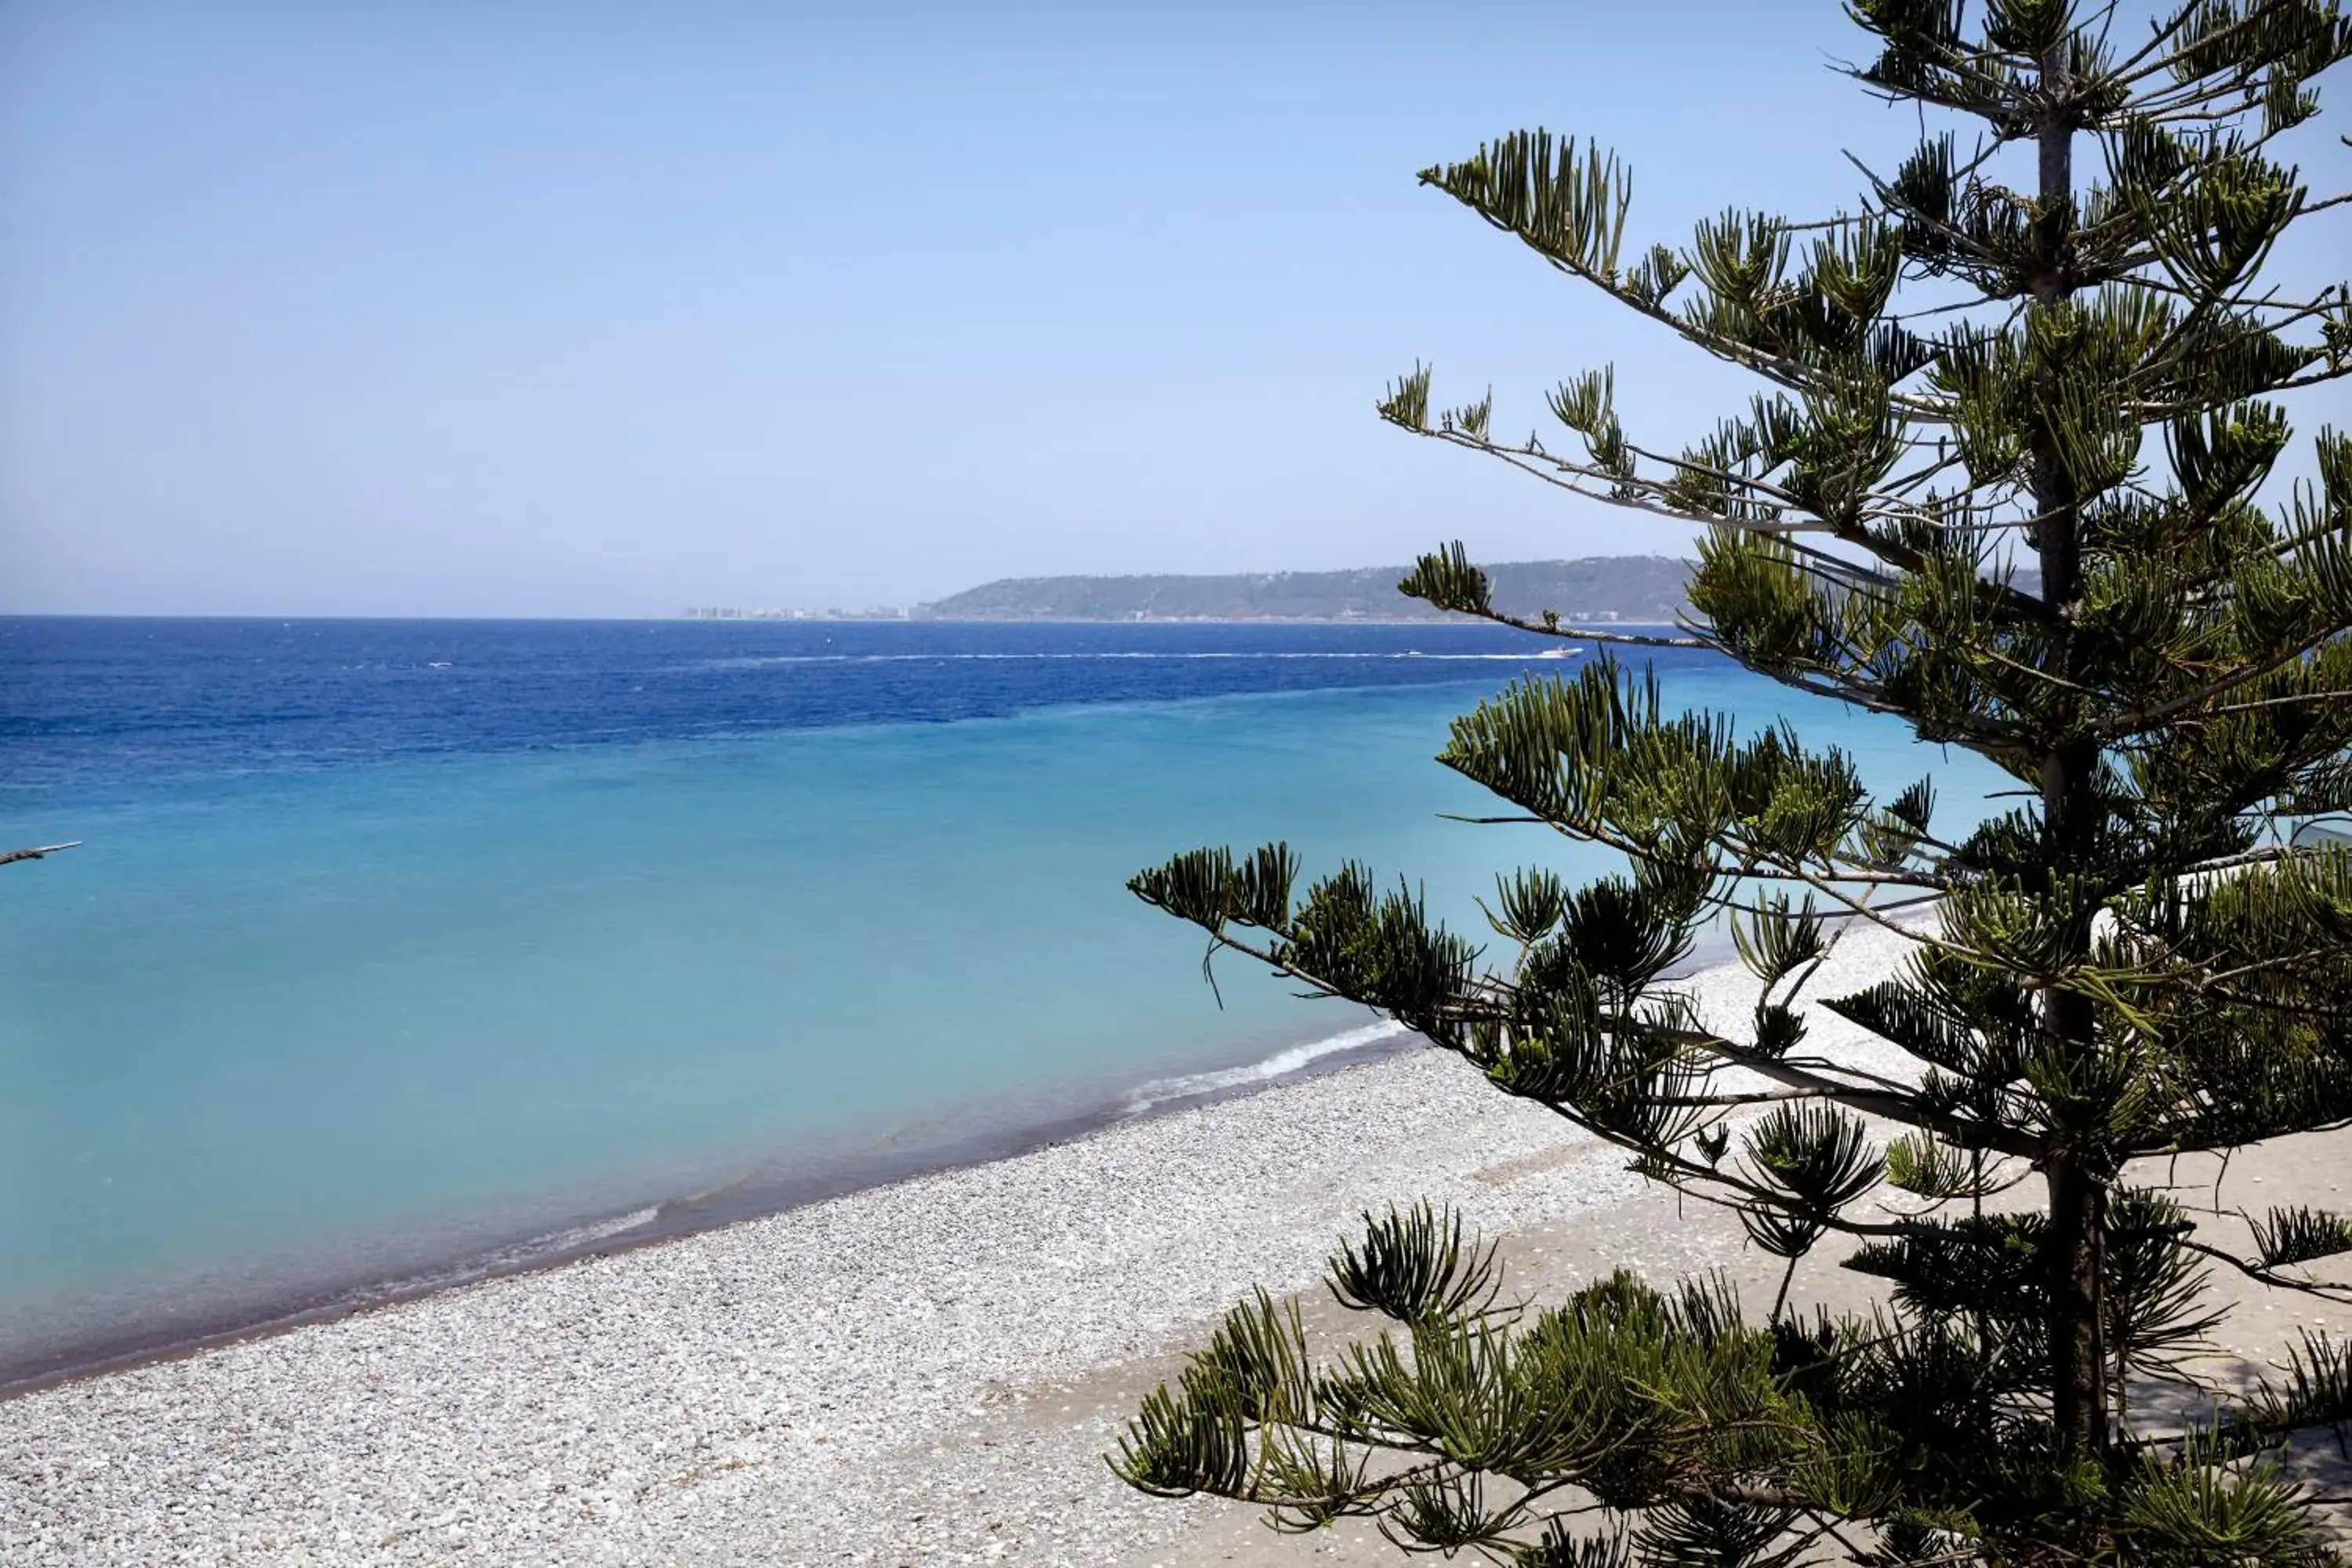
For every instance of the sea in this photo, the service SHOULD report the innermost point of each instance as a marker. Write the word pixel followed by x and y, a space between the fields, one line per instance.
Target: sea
pixel 394 952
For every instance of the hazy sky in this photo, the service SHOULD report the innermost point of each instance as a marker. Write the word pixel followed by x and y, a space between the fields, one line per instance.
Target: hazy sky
pixel 528 308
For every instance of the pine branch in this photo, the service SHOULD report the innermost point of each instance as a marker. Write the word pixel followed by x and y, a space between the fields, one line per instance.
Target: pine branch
pixel 2255 1270
pixel 10 857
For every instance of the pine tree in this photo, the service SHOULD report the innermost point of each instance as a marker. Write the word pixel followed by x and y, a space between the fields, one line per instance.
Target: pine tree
pixel 2009 479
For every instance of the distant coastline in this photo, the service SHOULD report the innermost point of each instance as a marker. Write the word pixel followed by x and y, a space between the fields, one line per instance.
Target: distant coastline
pixel 1593 590
pixel 916 617
pixel 1599 590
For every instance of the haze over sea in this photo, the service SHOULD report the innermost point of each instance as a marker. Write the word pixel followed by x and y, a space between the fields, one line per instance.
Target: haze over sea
pixel 393 942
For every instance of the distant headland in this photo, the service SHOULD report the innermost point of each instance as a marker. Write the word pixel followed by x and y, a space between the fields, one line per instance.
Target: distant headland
pixel 1595 588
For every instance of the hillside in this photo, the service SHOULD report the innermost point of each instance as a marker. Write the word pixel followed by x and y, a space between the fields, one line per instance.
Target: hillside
pixel 1620 587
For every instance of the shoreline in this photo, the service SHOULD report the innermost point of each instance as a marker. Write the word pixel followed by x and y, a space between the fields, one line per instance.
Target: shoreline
pixel 891 1376
pixel 653 1221
pixel 616 1229
pixel 930 1370
pixel 769 1391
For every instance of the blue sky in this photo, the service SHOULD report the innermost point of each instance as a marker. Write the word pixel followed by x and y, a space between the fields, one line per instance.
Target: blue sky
pixel 415 306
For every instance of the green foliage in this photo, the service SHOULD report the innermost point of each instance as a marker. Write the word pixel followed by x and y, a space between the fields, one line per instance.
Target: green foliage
pixel 1412 1266
pixel 2193 1507
pixel 2300 1235
pixel 2013 478
pixel 1819 1159
pixel 1569 206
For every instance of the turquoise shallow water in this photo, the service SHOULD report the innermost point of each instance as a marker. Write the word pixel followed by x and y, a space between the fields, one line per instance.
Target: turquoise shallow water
pixel 312 1007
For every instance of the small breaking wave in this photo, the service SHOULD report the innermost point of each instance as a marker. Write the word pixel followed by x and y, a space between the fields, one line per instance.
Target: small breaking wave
pixel 517 1256
pixel 1282 1064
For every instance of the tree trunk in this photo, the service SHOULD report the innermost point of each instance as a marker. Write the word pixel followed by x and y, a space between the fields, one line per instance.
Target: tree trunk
pixel 2078 1195
pixel 2078 1349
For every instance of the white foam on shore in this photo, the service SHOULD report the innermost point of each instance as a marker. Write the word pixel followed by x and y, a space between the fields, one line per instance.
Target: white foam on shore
pixel 1282 1064
pixel 575 1236
pixel 515 1256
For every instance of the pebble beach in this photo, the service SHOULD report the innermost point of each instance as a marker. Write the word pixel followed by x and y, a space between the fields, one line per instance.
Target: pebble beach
pixel 926 1372
pixel 740 1394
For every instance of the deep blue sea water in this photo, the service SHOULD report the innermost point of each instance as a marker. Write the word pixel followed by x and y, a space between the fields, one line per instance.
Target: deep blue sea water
pixel 389 941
